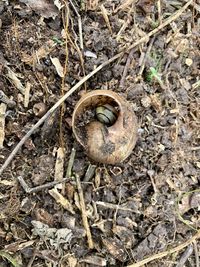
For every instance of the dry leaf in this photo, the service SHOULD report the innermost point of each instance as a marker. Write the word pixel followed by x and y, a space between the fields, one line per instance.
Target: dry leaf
pixel 43 8
pixel 59 167
pixel 42 52
pixel 55 236
pixel 115 248
pixel 58 66
pixel 14 79
pixel 156 102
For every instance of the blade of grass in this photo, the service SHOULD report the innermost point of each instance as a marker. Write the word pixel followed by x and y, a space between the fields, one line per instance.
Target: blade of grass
pixel 9 258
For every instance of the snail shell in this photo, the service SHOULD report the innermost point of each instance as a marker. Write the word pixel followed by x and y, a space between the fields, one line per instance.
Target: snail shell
pixel 104 142
pixel 106 114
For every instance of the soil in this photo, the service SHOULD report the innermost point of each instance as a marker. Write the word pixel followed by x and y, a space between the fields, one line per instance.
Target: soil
pixel 145 205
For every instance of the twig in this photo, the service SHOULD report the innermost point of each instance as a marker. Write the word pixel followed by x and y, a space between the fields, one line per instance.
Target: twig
pixel 105 16
pixel 156 192
pixel 27 94
pixel 196 252
pixel 115 206
pixel 185 256
pixel 82 81
pixel 79 24
pixel 166 253
pixel 159 11
pixel 84 214
pixel 145 57
pixel 195 5
pixel 30 190
pixel 32 259
pixel 128 62
pixel 195 148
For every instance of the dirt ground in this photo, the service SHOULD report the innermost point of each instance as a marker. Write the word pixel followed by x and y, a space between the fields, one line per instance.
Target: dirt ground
pixel 135 209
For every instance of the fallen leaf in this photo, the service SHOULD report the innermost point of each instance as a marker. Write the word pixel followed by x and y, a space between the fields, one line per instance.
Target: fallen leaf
pixel 55 236
pixel 115 248
pixel 42 52
pixel 15 80
pixel 43 8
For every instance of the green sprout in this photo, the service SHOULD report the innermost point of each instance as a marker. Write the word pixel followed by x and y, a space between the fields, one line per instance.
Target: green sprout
pixel 58 41
pixel 153 74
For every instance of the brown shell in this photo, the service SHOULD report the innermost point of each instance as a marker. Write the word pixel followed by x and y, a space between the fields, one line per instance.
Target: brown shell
pixel 103 144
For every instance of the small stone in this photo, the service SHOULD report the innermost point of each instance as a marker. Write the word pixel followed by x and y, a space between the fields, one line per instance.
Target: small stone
pixel 188 62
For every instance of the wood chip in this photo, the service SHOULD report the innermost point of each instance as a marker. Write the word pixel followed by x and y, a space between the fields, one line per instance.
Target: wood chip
pixel 95 260
pixel 115 248
pixel 2 123
pixel 61 200
pixel 27 94
pixel 55 61
pixel 91 4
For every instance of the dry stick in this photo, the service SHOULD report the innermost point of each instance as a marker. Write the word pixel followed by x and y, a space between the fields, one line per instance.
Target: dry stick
pixel 79 24
pixel 84 214
pixel 165 253
pixel 74 88
pixel 35 189
pixel 145 57
pixel 184 257
pixel 196 252
pixel 128 62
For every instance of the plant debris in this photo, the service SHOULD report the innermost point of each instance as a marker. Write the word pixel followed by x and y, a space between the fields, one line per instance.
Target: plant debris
pixel 57 206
